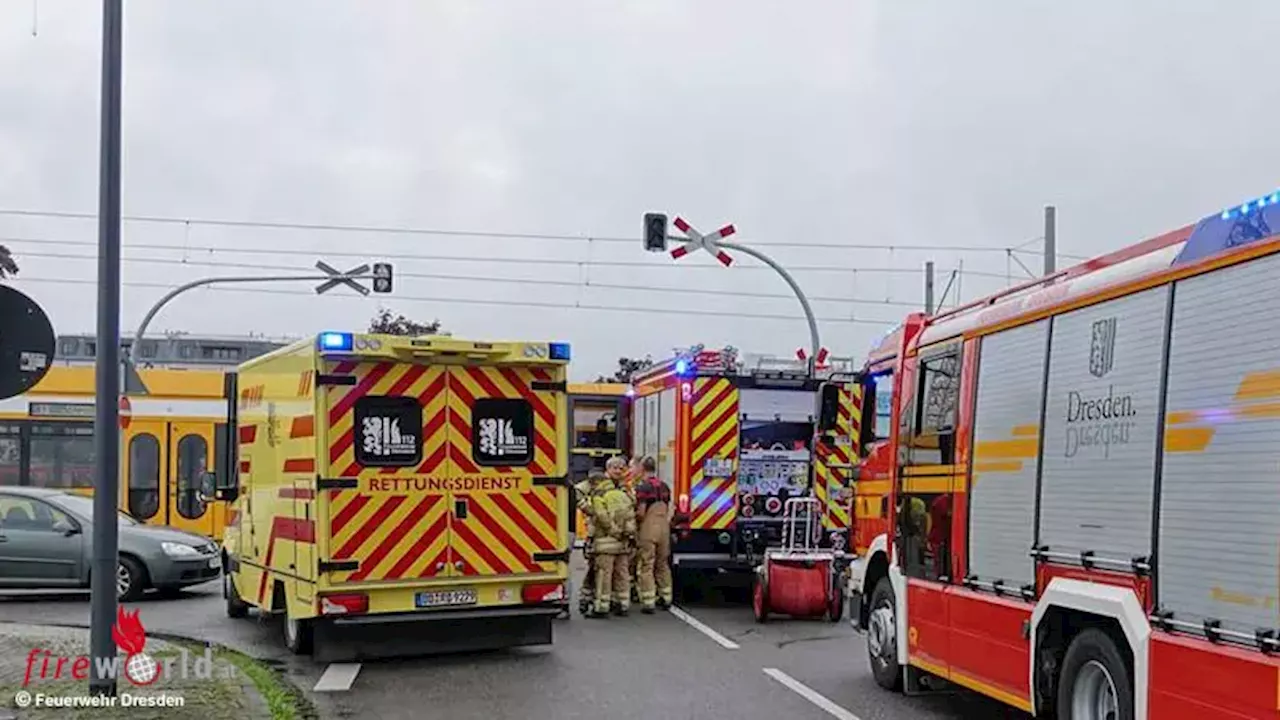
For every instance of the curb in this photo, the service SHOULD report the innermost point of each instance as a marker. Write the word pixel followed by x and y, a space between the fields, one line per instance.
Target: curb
pixel 306 708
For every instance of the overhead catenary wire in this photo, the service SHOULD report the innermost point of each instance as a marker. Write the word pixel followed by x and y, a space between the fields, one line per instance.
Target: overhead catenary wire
pixel 562 262
pixel 498 280
pixel 442 232
pixel 446 300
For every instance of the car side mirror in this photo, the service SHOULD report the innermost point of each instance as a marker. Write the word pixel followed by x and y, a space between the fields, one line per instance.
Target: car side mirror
pixel 65 528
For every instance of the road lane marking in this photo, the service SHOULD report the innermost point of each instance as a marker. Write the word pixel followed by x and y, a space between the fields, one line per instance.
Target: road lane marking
pixel 693 622
pixel 810 694
pixel 338 677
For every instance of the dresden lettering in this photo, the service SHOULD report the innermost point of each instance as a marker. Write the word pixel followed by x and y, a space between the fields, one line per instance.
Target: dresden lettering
pixel 1098 423
pixel 465 483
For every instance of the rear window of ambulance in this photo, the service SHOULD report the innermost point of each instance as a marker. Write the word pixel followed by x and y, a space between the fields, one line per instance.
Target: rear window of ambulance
pixel 390 431
pixel 502 432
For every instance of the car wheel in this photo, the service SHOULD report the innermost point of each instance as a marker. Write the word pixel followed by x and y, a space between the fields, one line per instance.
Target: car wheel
pixel 882 637
pixel 131 579
pixel 236 607
pixel 297 634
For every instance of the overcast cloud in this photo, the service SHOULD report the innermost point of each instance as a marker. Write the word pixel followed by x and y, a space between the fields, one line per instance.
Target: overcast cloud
pixel 890 123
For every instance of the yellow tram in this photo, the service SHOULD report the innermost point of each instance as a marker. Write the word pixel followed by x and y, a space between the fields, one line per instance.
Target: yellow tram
pixel 174 435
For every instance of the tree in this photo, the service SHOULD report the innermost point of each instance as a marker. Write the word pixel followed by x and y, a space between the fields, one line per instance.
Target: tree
pixel 7 265
pixel 387 323
pixel 627 367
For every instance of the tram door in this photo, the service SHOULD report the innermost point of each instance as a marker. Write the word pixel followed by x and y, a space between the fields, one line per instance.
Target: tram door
pixel 163 466
pixel 190 456
pixel 146 463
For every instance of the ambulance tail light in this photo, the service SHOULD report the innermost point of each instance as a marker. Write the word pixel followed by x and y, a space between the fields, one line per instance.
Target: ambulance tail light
pixel 346 604
pixel 542 592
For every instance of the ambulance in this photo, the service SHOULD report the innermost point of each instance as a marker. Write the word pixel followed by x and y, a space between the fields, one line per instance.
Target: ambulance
pixel 400 495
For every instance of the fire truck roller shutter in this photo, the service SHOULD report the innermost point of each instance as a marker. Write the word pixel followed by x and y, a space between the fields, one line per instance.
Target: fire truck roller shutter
pixel 1006 450
pixel 783 405
pixel 1219 553
pixel 1101 425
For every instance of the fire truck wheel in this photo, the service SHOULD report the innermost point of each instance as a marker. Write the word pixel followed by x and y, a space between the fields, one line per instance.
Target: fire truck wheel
pixel 236 607
pixel 297 634
pixel 882 637
pixel 1095 683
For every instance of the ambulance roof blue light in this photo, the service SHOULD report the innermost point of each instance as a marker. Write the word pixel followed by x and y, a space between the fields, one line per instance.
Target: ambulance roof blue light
pixel 336 341
pixel 559 351
pixel 1258 204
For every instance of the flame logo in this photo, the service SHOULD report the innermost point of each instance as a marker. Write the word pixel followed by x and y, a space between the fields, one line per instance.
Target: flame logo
pixel 128 632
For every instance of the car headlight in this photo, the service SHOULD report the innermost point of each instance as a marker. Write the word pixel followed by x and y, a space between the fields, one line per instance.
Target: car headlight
pixel 178 550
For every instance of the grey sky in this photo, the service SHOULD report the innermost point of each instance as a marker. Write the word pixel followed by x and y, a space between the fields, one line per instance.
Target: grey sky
pixel 888 123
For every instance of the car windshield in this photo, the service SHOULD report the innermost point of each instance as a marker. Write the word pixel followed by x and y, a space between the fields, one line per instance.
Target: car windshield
pixel 83 507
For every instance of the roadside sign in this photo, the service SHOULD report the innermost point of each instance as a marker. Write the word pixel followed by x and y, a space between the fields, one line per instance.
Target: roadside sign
pixel 341 278
pixel 698 241
pixel 26 343
pixel 126 412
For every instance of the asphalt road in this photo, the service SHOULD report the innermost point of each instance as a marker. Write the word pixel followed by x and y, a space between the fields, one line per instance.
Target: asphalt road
pixel 711 660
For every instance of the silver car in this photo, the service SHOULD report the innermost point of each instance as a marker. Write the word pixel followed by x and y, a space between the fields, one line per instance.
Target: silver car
pixel 46 542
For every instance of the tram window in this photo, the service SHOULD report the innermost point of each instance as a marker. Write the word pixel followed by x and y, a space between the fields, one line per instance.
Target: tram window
pixel 144 476
pixel 193 458
pixel 62 455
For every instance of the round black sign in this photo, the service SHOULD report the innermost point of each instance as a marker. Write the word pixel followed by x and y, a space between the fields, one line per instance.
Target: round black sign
pixel 26 343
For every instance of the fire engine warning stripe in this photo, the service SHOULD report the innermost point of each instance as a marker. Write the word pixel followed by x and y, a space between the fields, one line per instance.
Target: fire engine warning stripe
pixel 428 388
pixel 465 386
pixel 715 435
pixel 369 527
pixel 539 535
pixel 347 512
pixel 465 543
pixel 518 553
pixel 361 388
pixel 428 546
pixel 402 531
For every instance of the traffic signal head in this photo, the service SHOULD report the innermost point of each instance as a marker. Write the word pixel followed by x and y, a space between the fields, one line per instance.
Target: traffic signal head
pixel 382 277
pixel 655 232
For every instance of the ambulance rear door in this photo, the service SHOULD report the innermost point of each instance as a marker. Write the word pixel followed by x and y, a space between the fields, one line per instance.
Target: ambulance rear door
pixel 386 501
pixel 509 502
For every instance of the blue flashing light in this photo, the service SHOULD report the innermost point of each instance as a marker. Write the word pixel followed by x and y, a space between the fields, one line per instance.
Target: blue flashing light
pixel 1226 214
pixel 682 367
pixel 558 351
pixel 336 341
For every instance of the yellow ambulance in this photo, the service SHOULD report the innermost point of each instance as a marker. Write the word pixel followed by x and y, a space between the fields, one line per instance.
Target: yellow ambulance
pixel 399 494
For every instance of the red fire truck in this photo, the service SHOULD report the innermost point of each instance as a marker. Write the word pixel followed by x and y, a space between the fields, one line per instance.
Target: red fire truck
pixel 736 438
pixel 1084 486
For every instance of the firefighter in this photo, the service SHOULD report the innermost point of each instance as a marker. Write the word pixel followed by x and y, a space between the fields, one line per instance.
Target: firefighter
pixel 613 530
pixel 584 492
pixel 621 473
pixel 653 516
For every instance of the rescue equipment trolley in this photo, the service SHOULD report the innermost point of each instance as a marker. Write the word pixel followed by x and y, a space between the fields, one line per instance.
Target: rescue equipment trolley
pixel 800 579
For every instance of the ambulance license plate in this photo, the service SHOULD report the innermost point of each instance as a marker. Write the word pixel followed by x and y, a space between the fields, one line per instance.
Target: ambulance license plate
pixel 442 598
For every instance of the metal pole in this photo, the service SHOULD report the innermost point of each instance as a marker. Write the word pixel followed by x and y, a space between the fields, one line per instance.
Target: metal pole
pixel 814 342
pixel 928 287
pixel 151 314
pixel 106 431
pixel 1050 240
